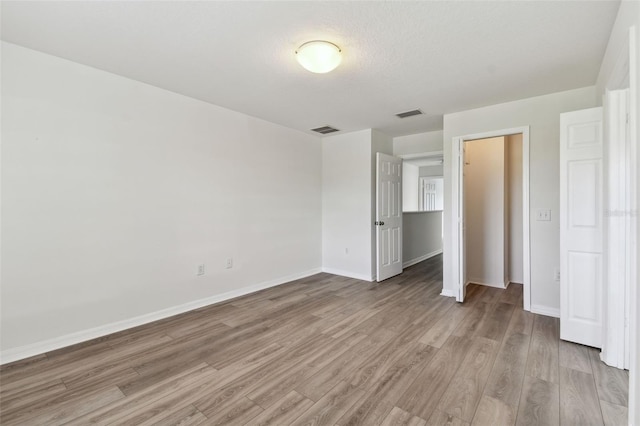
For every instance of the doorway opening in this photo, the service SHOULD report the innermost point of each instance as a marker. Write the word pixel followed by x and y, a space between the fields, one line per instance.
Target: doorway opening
pixel 422 206
pixel 520 199
pixel 493 211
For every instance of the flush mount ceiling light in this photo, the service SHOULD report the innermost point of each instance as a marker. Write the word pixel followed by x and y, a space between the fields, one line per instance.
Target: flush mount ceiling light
pixel 319 56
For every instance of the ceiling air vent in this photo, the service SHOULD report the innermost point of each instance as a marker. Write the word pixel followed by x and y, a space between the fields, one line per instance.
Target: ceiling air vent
pixel 325 129
pixel 409 113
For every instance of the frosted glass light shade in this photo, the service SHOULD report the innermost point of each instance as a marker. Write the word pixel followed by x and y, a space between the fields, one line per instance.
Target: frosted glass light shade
pixel 319 56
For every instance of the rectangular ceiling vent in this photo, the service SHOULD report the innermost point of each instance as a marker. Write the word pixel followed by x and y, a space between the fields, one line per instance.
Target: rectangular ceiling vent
pixel 409 113
pixel 325 129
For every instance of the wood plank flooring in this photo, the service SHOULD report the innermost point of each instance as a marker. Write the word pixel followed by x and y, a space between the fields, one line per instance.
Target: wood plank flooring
pixel 327 350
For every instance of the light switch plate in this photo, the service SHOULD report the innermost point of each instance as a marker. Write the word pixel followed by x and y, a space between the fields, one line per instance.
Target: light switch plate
pixel 543 215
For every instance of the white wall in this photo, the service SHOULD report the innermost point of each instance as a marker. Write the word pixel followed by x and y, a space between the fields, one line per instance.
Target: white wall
pixel 628 16
pixel 421 236
pixel 513 160
pixel 113 191
pixel 410 187
pixel 347 204
pixel 431 171
pixel 418 143
pixel 542 114
pixel 484 196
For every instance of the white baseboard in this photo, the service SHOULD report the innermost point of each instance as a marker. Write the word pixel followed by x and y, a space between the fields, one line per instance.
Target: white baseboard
pixel 421 258
pixel 545 310
pixel 448 292
pixel 26 351
pixel 495 285
pixel 348 274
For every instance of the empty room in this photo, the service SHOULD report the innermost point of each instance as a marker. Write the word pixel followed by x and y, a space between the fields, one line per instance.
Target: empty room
pixel 291 213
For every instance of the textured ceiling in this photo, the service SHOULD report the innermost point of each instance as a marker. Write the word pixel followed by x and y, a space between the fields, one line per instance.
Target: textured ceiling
pixel 439 57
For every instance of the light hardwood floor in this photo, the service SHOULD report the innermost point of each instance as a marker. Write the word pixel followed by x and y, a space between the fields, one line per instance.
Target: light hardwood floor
pixel 327 350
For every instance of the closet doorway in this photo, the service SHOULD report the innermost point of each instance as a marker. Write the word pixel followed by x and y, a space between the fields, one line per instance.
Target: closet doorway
pixel 492 211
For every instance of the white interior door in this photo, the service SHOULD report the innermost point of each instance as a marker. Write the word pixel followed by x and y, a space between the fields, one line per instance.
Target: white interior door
pixel 581 226
pixel 388 215
pixel 462 254
pixel 427 194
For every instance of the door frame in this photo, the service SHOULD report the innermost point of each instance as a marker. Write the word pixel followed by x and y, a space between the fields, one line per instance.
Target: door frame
pixel 620 241
pixel 634 294
pixel 457 175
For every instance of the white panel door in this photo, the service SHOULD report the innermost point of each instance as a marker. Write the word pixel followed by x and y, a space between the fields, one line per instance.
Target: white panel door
pixel 388 215
pixel 581 226
pixel 428 194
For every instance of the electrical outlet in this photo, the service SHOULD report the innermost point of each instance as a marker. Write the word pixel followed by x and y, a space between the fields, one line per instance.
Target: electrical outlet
pixel 229 263
pixel 201 269
pixel 556 274
pixel 543 215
